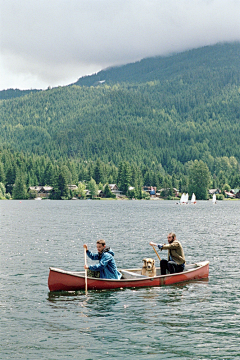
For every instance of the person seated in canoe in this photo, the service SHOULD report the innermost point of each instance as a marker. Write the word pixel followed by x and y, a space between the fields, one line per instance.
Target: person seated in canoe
pixel 176 259
pixel 106 266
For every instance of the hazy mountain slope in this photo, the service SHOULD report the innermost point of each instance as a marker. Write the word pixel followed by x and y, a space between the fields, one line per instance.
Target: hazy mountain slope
pixel 194 113
pixel 199 61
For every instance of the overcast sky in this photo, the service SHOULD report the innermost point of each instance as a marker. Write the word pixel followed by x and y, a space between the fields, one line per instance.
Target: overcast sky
pixel 54 42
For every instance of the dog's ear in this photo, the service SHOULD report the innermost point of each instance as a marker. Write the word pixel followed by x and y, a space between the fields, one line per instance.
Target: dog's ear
pixel 144 261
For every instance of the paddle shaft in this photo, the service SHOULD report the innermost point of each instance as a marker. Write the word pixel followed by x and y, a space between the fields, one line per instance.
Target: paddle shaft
pixel 85 259
pixel 156 253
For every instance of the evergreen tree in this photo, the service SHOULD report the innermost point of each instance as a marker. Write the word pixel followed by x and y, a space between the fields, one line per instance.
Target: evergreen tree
pixel 98 172
pixel 49 174
pixel 63 183
pixel 10 173
pixel 199 180
pixel 2 173
pixel 20 189
pixel 107 192
pixel 74 174
pixel 184 184
pixel 110 180
pixel 174 181
pixel 126 177
pixel 2 191
pixel 90 171
pixel 147 179
pixel 236 181
pixel 119 176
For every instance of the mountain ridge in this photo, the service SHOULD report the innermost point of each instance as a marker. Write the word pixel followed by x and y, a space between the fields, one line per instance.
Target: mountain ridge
pixel 191 114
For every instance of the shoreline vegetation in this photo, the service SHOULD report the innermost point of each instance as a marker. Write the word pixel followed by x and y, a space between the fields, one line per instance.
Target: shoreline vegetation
pixel 126 199
pixel 25 177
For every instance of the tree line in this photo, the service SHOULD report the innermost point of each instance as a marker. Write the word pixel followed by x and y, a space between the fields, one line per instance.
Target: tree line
pixel 19 171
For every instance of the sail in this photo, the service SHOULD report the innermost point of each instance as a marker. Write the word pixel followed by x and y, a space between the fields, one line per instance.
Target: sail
pixel 182 198
pixel 193 199
pixel 214 200
pixel 186 198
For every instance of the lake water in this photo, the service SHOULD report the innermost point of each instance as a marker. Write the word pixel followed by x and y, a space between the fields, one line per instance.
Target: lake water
pixel 195 320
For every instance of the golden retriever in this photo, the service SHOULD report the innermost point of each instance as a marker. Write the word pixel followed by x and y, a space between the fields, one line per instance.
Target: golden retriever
pixel 148 268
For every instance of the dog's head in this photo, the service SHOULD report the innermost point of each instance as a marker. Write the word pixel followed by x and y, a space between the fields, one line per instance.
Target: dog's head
pixel 148 263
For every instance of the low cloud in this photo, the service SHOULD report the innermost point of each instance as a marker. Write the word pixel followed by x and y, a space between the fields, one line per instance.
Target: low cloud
pixel 54 43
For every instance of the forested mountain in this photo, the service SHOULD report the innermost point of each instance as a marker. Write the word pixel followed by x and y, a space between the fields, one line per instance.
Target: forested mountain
pixel 190 66
pixel 158 113
pixel 13 93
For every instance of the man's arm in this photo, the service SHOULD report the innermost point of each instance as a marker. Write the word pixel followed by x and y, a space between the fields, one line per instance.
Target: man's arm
pixel 102 263
pixel 172 246
pixel 90 254
pixel 160 246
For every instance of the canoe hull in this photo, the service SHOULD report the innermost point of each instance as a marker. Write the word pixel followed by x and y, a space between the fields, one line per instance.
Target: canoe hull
pixel 60 280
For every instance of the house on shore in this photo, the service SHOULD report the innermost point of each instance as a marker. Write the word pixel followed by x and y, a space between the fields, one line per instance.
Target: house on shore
pixel 41 191
pixel 233 194
pixel 151 190
pixel 237 194
pixel 115 190
pixel 72 187
pixel 214 191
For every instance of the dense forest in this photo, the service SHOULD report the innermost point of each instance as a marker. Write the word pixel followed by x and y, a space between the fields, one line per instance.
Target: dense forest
pixel 154 117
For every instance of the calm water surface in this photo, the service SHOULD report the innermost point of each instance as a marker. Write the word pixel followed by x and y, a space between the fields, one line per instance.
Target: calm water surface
pixel 195 320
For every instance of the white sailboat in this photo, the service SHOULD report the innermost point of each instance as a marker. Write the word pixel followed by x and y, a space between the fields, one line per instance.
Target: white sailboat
pixel 193 199
pixel 214 199
pixel 182 198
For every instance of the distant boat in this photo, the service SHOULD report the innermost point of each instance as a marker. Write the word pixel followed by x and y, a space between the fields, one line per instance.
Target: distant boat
pixel 184 198
pixel 214 199
pixel 193 199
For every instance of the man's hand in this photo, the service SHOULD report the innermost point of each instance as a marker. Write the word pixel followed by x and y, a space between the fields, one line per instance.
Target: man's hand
pixel 85 246
pixel 160 246
pixel 85 267
pixel 152 243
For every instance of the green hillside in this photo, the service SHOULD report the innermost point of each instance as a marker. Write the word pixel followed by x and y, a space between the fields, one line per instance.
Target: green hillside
pixel 192 65
pixel 163 111
pixel 14 93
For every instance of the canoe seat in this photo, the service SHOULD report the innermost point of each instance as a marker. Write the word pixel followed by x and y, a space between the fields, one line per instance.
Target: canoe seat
pixel 131 275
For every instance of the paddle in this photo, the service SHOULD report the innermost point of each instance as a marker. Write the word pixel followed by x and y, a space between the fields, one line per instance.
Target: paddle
pixel 85 259
pixel 156 252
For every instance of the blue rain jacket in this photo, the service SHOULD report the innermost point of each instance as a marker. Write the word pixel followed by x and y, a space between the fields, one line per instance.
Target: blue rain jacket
pixel 106 265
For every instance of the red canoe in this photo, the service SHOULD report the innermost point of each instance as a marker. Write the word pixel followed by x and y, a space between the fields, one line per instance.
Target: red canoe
pixel 61 280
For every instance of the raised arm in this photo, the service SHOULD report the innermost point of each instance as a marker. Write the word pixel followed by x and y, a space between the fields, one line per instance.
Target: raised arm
pixel 152 243
pixel 160 246
pixel 90 254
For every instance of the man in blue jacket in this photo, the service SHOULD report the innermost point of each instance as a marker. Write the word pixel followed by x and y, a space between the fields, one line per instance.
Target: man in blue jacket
pixel 106 265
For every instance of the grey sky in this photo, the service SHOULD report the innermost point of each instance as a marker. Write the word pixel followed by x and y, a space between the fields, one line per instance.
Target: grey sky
pixel 54 42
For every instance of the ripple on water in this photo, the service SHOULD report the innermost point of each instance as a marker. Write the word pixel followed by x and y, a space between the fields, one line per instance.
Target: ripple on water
pixel 195 320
